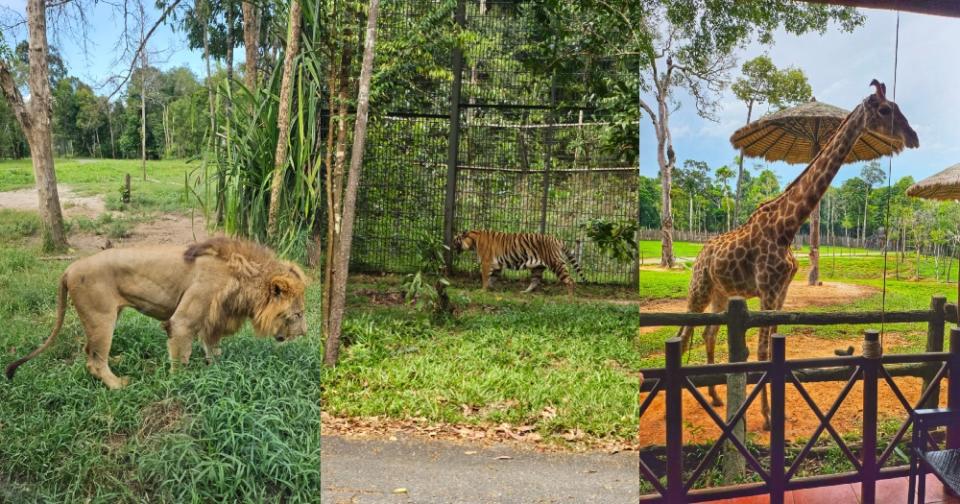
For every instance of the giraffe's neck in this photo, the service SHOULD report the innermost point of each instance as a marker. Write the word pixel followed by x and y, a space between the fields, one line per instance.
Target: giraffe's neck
pixel 801 196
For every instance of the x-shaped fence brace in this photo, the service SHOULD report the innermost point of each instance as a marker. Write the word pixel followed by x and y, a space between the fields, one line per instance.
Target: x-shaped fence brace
pixel 727 427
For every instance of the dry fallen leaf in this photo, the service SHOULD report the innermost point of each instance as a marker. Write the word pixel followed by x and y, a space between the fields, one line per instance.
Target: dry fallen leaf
pixel 548 413
pixel 471 452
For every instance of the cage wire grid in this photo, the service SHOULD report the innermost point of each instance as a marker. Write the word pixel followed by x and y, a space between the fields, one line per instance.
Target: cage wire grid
pixel 532 151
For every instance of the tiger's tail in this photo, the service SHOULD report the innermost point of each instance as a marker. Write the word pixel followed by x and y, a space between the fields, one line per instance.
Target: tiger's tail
pixel 572 257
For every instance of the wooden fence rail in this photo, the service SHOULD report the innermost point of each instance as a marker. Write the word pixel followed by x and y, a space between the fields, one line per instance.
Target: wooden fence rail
pixel 867 369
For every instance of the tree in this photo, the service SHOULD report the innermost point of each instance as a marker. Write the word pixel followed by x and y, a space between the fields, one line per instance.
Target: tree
pixel 723 176
pixel 283 122
pixel 339 291
pixel 872 174
pixel 34 119
pixel 691 47
pixel 761 83
pixel 251 34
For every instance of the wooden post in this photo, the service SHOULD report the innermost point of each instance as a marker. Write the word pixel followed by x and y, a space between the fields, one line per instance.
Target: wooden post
pixel 935 330
pixel 953 387
pixel 778 375
pixel 871 367
pixel 737 314
pixel 674 419
pixel 125 197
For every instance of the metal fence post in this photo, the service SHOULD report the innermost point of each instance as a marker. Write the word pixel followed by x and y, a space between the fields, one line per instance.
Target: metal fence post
pixel 778 370
pixel 935 329
pixel 548 155
pixel 737 351
pixel 953 387
pixel 674 419
pixel 871 366
pixel 453 141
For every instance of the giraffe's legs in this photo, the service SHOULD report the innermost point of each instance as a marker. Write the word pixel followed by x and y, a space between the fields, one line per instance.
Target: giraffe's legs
pixel 771 298
pixel 697 300
pixel 710 340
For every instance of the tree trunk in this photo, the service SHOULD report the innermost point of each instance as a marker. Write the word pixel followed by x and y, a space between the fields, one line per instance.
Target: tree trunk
pixel 251 32
pixel 35 122
pixel 814 277
pixel 283 121
pixel 332 349
pixel 328 256
pixel 866 201
pixel 334 217
pixel 736 203
pixel 666 159
pixel 231 17
pixel 143 98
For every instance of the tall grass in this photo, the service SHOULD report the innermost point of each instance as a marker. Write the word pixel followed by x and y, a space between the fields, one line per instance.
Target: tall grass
pixel 246 141
pixel 245 429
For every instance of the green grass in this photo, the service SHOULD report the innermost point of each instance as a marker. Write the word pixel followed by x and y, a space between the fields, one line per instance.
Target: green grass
pixel 246 429
pixel 162 191
pixel 507 357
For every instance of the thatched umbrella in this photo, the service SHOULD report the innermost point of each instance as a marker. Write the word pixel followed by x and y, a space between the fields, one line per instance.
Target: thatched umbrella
pixel 944 186
pixel 796 135
pixel 941 186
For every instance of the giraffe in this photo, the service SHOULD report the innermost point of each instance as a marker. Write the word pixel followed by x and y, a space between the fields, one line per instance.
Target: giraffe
pixel 755 260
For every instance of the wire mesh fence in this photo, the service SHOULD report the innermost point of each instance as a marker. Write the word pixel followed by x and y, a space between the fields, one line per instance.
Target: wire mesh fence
pixel 487 135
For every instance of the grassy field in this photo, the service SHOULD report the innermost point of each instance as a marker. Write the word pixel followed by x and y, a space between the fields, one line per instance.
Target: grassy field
pixel 243 430
pixel 544 361
pixel 687 251
pixel 164 189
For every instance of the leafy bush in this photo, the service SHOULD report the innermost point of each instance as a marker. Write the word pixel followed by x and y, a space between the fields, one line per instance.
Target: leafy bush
pixel 615 239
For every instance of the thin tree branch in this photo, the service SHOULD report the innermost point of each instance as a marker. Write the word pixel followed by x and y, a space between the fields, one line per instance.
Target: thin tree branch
pixel 15 99
pixel 142 46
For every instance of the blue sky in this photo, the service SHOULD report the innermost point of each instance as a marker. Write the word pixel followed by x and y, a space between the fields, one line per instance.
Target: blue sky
pixel 839 67
pixel 93 57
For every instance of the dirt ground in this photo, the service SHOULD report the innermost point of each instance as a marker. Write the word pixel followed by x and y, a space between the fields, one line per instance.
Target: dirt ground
pixel 799 296
pixel 163 229
pixel 166 229
pixel 801 421
pixel 72 203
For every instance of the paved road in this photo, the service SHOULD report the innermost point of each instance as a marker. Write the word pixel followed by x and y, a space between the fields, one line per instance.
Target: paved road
pixel 368 471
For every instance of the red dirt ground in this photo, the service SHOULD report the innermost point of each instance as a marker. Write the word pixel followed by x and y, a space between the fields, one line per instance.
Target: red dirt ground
pixel 799 296
pixel 801 421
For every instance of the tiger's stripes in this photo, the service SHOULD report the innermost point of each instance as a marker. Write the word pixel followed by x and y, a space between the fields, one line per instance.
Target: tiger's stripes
pixel 533 251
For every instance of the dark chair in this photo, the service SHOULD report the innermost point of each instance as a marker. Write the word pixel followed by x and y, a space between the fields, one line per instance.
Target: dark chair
pixel 945 464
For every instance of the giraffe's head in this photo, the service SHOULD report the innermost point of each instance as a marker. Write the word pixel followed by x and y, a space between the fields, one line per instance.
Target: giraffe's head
pixel 884 117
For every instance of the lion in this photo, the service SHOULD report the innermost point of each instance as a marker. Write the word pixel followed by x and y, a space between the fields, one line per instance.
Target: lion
pixel 208 290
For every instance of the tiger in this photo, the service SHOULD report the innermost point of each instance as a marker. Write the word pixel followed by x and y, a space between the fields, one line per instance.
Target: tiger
pixel 533 251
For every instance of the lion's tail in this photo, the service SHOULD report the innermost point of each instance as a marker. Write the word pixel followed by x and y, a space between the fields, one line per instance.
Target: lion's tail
pixel 61 311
